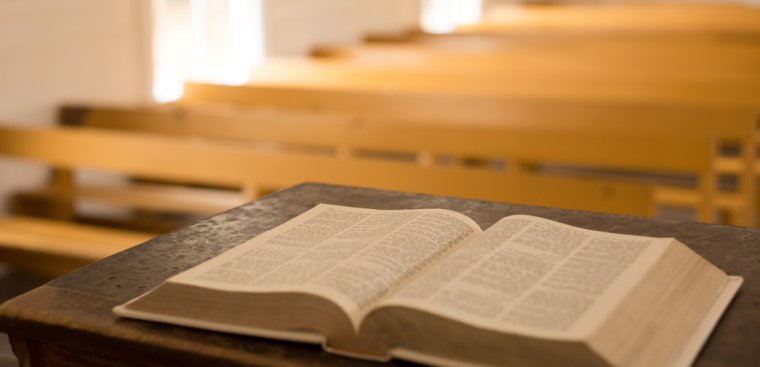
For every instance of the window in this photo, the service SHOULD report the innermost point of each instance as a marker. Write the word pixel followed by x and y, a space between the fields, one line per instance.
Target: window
pixel 442 16
pixel 214 41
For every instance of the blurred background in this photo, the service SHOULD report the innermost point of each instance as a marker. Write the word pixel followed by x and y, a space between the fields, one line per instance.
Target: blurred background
pixel 125 119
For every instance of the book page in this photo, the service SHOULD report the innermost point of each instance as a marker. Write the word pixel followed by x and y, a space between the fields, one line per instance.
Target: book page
pixel 533 276
pixel 352 256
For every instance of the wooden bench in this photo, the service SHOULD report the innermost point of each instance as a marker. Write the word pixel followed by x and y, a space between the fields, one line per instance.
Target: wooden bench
pixel 52 247
pixel 723 19
pixel 692 89
pixel 719 61
pixel 159 206
pixel 500 141
pixel 693 67
pixel 724 127
pixel 699 71
pixel 504 24
pixel 665 40
pixel 344 138
pixel 224 163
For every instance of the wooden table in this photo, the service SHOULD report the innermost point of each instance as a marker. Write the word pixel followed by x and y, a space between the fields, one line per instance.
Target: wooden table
pixel 69 321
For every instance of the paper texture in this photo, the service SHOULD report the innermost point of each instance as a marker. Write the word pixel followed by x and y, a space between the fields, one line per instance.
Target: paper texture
pixel 533 276
pixel 352 256
pixel 525 276
pixel 700 336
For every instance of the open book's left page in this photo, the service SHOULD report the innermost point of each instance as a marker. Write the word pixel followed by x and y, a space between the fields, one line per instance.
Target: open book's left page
pixel 351 256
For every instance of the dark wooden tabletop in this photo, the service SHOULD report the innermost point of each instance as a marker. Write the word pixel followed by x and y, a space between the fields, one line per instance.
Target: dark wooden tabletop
pixel 70 318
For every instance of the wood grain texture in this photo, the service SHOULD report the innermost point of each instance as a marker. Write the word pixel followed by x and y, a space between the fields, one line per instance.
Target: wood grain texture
pixel 74 311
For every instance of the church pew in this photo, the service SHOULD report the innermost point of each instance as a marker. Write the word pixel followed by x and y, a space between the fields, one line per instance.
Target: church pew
pixel 733 127
pixel 676 94
pixel 270 123
pixel 729 123
pixel 693 67
pixel 724 68
pixel 622 152
pixel 703 71
pixel 318 131
pixel 505 25
pixel 225 163
pixel 52 247
pixel 725 19
pixel 698 69
pixel 160 207
pixel 664 124
pixel 574 26
pixel 716 61
pixel 691 89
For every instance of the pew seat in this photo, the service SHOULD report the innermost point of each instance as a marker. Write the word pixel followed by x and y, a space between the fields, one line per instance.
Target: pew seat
pixel 52 247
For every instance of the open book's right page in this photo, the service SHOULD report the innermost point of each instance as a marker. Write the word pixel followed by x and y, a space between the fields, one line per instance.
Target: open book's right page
pixel 535 277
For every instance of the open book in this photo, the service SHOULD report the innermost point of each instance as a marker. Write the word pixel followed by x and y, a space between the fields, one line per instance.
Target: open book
pixel 429 285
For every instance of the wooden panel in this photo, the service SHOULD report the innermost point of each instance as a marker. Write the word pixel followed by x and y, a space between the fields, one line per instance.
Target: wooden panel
pixel 54 247
pixel 263 123
pixel 629 17
pixel 632 141
pixel 176 158
pixel 588 148
pixel 87 242
pixel 560 140
pixel 570 87
pixel 164 198
pixel 716 65
pixel 516 112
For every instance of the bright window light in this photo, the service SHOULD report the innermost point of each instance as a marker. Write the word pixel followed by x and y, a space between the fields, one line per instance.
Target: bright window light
pixel 216 41
pixel 435 17
pixel 466 11
pixel 442 16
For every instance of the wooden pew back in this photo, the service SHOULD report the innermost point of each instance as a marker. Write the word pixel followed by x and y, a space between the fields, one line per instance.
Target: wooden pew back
pixel 211 162
pixel 584 86
pixel 734 127
pixel 621 17
pixel 722 62
pixel 462 110
pixel 514 143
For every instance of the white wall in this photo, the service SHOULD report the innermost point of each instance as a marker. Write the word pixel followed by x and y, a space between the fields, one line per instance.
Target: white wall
pixel 293 27
pixel 54 51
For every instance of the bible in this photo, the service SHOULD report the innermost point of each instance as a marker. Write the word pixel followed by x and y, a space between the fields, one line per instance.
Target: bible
pixel 428 285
